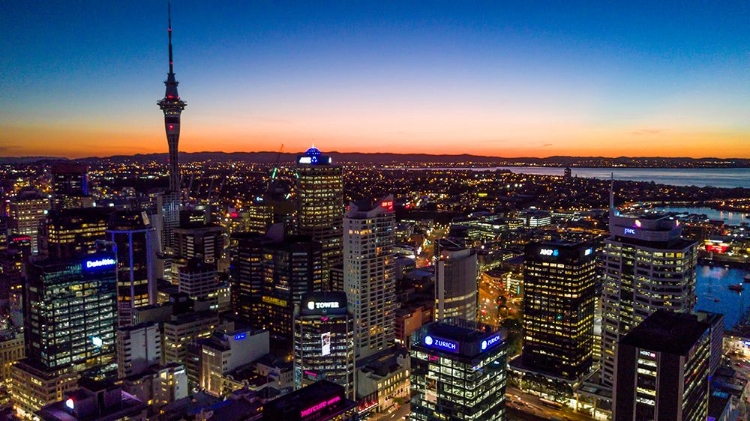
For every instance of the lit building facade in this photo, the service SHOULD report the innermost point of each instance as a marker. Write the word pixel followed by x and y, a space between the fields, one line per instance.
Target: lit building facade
pixel 457 373
pixel 320 206
pixel 197 279
pixel 136 266
pixel 324 341
pixel 370 274
pixel 647 267
pixel 204 241
pixel 456 285
pixel 138 348
pixel 662 370
pixel 290 269
pixel 69 233
pixel 26 212
pixel 70 186
pixel 558 308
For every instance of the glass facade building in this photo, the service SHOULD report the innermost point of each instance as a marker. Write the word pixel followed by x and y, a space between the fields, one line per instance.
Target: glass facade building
pixel 324 341
pixel 320 206
pixel 559 299
pixel 458 373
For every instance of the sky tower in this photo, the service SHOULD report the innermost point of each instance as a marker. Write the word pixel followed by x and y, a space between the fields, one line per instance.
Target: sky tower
pixel 172 106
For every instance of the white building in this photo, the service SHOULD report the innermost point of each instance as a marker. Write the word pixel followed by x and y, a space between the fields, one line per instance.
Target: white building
pixel 648 266
pixel 224 352
pixel 138 348
pixel 456 283
pixel 369 274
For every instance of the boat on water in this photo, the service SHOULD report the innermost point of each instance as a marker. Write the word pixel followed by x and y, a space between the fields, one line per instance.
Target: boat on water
pixel 737 287
pixel 716 300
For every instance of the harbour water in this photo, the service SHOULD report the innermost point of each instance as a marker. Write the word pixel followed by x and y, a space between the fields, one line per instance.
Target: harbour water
pixel 701 177
pixel 712 288
pixel 730 218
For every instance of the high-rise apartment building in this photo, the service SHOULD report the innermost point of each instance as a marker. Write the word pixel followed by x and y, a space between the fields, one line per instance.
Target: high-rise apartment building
pixel 648 266
pixel 370 275
pixel 26 212
pixel 324 341
pixel 320 205
pixel 136 266
pixel 457 372
pixel 456 272
pixel 559 299
pixel 662 371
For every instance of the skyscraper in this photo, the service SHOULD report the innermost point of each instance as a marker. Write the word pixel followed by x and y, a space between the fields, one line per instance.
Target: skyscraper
pixel 324 341
pixel 70 186
pixel 457 372
pixel 559 295
pixel 456 282
pixel 26 211
pixel 172 107
pixel 136 272
pixel 320 205
pixel 370 275
pixel 662 370
pixel 648 266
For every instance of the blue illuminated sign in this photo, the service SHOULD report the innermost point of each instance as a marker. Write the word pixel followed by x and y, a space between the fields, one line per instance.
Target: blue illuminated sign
pixel 439 343
pixel 240 336
pixel 491 341
pixel 100 263
pixel 549 252
pixel 630 231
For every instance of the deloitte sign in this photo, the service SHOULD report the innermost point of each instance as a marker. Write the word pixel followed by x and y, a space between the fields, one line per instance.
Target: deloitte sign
pixel 106 262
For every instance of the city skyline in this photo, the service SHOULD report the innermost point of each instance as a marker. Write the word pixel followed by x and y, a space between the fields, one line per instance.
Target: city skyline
pixel 504 80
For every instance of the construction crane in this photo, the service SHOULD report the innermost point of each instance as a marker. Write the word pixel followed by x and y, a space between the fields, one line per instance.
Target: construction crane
pixel 271 181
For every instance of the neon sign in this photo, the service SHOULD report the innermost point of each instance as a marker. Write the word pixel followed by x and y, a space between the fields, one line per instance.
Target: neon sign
pixel 549 252
pixel 387 205
pixel 491 341
pixel 444 344
pixel 588 251
pixel 315 408
pixel 240 336
pixel 630 231
pixel 100 263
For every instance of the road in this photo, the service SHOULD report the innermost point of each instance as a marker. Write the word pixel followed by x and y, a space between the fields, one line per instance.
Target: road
pixel 530 404
pixel 397 415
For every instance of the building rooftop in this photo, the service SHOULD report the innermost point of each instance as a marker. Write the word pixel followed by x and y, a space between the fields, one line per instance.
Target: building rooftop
pixel 665 331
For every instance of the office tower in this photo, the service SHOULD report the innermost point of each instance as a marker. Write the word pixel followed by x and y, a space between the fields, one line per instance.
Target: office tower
pixel 70 186
pixel 324 341
pixel 369 274
pixel 226 351
pixel 558 308
pixel 26 211
pixel 246 276
pixel 138 348
pixel 456 282
pixel 321 401
pixel 69 233
pixel 197 279
pixel 70 317
pixel 182 329
pixel 320 205
pixel 136 266
pixel 647 267
pixel 172 107
pixel 457 373
pixel 662 370
pixel 716 321
pixel 290 269
pixel 204 241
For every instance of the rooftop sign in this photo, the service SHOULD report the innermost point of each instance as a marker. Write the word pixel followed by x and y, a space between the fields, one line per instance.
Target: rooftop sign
pixel 439 343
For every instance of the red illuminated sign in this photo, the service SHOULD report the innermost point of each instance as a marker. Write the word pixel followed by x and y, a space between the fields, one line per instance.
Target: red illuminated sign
pixel 387 205
pixel 315 408
pixel 717 248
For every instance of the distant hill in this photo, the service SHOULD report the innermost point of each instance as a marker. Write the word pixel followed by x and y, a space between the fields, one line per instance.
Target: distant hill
pixel 391 158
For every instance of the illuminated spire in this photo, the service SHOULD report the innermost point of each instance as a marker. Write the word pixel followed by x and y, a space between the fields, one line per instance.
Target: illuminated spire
pixel 172 106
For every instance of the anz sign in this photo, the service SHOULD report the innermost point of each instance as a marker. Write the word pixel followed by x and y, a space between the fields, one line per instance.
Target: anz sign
pixel 549 252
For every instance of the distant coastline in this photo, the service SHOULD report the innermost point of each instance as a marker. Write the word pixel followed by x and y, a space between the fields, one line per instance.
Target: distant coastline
pixel 415 160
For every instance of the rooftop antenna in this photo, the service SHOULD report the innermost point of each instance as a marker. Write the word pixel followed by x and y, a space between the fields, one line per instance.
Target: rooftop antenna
pixel 169 30
pixel 612 210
